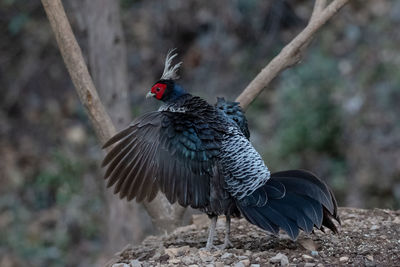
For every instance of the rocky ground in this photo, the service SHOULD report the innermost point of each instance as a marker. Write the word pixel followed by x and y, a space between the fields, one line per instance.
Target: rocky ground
pixel 367 238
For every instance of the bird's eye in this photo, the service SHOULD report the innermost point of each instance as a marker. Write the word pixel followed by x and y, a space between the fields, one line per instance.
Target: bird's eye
pixel 158 89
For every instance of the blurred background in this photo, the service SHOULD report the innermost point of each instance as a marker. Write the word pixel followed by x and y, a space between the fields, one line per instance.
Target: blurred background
pixel 336 113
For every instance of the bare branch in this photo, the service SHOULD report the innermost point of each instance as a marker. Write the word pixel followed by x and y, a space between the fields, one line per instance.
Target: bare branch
pixel 77 69
pixel 292 52
pixel 165 216
pixel 319 6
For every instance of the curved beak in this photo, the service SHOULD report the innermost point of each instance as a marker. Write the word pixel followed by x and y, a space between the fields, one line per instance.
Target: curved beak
pixel 150 94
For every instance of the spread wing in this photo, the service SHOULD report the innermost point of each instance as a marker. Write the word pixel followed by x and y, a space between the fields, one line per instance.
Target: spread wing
pixel 168 151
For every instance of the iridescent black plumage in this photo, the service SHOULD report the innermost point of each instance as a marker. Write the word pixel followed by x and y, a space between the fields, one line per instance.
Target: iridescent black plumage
pixel 234 112
pixel 200 156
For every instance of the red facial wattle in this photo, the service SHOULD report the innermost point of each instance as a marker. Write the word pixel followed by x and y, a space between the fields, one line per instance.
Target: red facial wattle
pixel 158 90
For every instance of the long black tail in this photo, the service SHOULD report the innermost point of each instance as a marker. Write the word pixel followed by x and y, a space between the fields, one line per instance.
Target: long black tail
pixel 291 200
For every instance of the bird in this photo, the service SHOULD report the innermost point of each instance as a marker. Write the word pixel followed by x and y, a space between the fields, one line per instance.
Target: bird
pixel 200 155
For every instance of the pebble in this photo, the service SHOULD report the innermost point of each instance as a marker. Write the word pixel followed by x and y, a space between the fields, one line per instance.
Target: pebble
pixel 282 258
pixel 190 259
pixel 174 261
pixel 205 256
pixel 374 227
pixel 176 252
pixel 120 265
pixel 370 257
pixel 307 257
pixel 343 259
pixel 309 264
pixel 246 262
pixel 226 255
pixel 239 264
pixel 135 263
pixel 219 264
pixel 314 253
pixel 255 265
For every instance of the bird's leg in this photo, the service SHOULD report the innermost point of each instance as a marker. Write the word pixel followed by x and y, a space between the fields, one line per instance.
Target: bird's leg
pixel 211 232
pixel 227 242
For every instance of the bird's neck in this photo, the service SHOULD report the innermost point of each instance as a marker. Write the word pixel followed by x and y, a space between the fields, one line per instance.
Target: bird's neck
pixel 177 93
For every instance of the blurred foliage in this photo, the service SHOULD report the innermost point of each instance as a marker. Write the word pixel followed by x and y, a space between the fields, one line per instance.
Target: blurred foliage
pixel 55 187
pixel 309 121
pixel 308 118
pixel 40 234
pixel 16 15
pixel 17 22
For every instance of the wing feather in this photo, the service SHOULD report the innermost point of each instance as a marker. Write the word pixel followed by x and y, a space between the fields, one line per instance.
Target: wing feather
pixel 163 151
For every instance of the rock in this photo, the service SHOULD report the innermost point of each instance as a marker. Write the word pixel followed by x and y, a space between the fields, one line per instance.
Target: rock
pixel 177 252
pixel 120 265
pixel 188 260
pixel 370 257
pixel 255 265
pixel 174 261
pixel 374 227
pixel 172 252
pixel 239 264
pixel 246 262
pixel 226 255
pixel 307 257
pixel 344 259
pixel 309 264
pixel 205 256
pixel 314 253
pixel 308 244
pixel 282 258
pixel 219 264
pixel 135 263
pixel 334 240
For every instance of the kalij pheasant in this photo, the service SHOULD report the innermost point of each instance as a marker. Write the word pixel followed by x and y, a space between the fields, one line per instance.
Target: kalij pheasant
pixel 200 156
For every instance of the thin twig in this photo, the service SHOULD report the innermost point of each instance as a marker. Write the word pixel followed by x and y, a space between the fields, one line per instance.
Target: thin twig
pixel 291 53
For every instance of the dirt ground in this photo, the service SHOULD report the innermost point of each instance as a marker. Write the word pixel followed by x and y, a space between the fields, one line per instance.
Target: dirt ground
pixel 367 238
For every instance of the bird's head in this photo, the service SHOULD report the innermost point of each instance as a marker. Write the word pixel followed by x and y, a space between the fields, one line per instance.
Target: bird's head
pixel 166 89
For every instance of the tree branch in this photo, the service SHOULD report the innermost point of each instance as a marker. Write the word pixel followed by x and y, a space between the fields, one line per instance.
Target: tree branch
pixel 77 69
pixel 292 52
pixel 164 216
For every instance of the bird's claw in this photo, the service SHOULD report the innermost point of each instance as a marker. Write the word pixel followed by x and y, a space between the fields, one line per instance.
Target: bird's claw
pixel 210 247
pixel 227 244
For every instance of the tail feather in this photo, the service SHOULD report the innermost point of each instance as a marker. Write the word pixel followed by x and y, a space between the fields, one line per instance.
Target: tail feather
pixel 286 223
pixel 293 200
pixel 306 213
pixel 306 184
pixel 253 215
